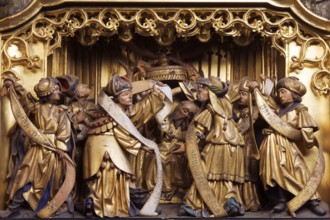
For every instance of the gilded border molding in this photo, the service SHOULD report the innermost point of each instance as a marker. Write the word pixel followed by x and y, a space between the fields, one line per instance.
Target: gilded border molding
pixel 295 6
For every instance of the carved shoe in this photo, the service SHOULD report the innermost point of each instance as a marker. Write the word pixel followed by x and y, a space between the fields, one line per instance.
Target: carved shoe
pixel 9 213
pixel 316 208
pixel 89 210
pixel 280 207
pixel 158 210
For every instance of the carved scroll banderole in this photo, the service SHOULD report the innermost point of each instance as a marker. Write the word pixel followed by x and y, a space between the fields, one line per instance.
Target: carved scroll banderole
pixel 122 119
pixel 31 131
pixel 286 130
pixel 195 164
pixel 255 151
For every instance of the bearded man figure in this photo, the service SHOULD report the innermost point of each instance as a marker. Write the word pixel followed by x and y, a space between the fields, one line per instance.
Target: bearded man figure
pixel 177 177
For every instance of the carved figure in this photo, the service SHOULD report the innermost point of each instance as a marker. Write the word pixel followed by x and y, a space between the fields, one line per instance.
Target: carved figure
pixel 221 150
pixel 42 172
pixel 283 169
pixel 246 114
pixel 107 170
pixel 81 112
pixel 177 176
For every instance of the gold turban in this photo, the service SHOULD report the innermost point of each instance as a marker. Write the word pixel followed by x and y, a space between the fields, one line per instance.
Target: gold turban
pixel 293 84
pixel 244 84
pixel 45 86
pixel 215 85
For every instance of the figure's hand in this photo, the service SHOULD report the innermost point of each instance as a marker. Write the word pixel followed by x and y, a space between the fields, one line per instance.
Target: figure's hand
pixel 159 83
pixel 263 77
pixel 60 153
pixel 82 135
pixel 6 84
pixel 253 85
pixel 81 116
pixel 148 149
pixel 200 135
pixel 179 149
pixel 156 88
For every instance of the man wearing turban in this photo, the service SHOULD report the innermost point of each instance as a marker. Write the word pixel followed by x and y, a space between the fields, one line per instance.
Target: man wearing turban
pixel 283 169
pixel 42 170
pixel 221 149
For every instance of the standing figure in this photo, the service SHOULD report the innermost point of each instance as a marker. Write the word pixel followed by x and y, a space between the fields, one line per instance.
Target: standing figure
pixel 81 112
pixel 221 150
pixel 42 171
pixel 245 114
pixel 107 170
pixel 283 170
pixel 177 177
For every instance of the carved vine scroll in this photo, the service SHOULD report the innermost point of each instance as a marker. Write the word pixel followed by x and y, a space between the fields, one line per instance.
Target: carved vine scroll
pixel 165 25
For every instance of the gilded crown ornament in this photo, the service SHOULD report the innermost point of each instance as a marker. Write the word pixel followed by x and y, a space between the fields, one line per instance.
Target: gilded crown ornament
pixel 165 71
pixel 161 73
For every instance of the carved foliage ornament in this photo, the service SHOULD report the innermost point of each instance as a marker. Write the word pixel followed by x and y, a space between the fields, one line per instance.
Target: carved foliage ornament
pixel 165 25
pixel 21 58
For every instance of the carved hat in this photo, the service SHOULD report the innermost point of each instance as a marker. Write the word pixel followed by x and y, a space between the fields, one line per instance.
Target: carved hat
pixel 68 84
pixel 243 84
pixel 46 86
pixel 215 85
pixel 293 84
pixel 117 85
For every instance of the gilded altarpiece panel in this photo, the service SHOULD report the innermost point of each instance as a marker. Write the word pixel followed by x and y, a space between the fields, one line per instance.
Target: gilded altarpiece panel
pixel 230 40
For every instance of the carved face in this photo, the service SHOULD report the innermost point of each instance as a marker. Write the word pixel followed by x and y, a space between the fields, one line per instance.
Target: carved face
pixel 186 110
pixel 83 90
pixel 285 96
pixel 56 94
pixel 244 98
pixel 125 98
pixel 203 93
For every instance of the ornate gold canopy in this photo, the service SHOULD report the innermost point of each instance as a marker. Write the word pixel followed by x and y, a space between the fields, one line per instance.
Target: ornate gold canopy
pixel 88 22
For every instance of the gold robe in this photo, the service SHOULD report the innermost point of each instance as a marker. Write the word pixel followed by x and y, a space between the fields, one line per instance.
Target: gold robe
pixel 107 169
pixel 281 161
pixel 81 129
pixel 221 154
pixel 141 117
pixel 40 165
pixel 248 189
pixel 177 177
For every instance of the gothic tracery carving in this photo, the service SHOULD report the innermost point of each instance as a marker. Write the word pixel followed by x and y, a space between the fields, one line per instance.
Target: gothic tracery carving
pixel 165 25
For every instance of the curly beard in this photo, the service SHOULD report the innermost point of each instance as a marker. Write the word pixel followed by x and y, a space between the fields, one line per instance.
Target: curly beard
pixel 179 121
